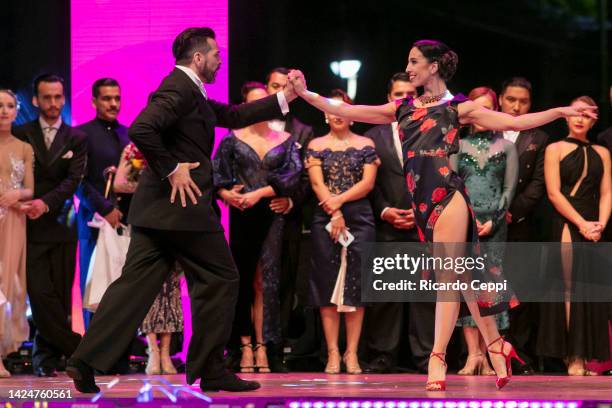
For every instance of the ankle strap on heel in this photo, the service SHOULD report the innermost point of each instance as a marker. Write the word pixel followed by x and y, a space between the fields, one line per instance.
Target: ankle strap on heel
pixel 441 356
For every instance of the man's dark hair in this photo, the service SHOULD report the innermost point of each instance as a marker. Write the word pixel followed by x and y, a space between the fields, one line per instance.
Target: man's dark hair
pixel 279 70
pixel 95 89
pixel 47 78
pixel 400 76
pixel 516 81
pixel 190 41
pixel 249 86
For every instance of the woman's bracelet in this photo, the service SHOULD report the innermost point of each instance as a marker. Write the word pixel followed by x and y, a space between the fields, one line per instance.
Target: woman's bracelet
pixel 336 217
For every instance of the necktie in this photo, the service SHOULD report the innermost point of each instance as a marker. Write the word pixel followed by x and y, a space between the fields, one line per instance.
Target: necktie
pixel 49 134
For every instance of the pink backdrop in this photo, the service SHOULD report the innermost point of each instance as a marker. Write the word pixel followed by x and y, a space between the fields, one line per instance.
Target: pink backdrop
pixel 131 41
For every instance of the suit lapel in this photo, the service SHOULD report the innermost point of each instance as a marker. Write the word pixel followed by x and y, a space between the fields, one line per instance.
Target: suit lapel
pixel 523 141
pixel 37 140
pixel 59 144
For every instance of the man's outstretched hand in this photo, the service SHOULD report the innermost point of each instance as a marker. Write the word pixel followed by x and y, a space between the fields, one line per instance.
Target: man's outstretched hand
pixel 183 184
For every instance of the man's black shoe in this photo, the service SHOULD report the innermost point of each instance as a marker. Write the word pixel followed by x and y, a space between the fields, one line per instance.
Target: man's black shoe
pixel 228 382
pixel 45 372
pixel 83 376
pixel 380 365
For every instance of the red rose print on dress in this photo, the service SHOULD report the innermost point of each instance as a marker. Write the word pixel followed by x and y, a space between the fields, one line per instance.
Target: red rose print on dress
pixel 422 207
pixel 438 194
pixel 427 124
pixel 444 171
pixel 450 136
pixel 410 154
pixel 410 182
pixel 419 114
pixel 421 235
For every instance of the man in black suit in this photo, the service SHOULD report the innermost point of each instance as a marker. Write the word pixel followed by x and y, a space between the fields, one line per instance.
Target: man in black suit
pixel 106 138
pixel 515 99
pixel 175 132
pixel 61 156
pixel 293 207
pixel 394 223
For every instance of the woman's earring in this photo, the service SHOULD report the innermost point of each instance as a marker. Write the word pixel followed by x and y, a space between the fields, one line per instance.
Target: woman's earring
pixel 326 120
pixel 352 123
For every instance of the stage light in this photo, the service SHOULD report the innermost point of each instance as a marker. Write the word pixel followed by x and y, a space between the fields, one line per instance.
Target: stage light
pixel 347 69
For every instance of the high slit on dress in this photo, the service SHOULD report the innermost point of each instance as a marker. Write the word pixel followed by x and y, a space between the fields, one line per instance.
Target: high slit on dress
pixel 587 337
pixel 429 136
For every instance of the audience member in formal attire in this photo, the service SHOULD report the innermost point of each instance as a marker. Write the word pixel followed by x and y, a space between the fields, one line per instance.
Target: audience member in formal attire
pixel 394 218
pixel 297 220
pixel 342 168
pixel 488 164
pixel 173 219
pixel 16 186
pixel 515 99
pixel 579 185
pixel 251 167
pixel 61 156
pixel 166 314
pixel 106 138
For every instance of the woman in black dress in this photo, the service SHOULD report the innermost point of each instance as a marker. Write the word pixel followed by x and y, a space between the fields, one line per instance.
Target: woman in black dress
pixel 252 168
pixel 428 125
pixel 342 170
pixel 578 183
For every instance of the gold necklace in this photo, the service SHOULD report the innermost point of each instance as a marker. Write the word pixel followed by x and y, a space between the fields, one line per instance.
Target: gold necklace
pixel 426 99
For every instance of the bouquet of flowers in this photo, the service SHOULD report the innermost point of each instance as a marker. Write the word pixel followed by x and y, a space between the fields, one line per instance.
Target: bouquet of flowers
pixel 136 161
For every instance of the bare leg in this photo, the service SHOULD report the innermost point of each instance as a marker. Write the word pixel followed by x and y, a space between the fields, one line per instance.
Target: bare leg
pixel 331 326
pixel 4 373
pixel 153 363
pixel 261 358
pixel 451 227
pixel 474 358
pixel 354 321
pixel 485 367
pixel 166 362
pixel 247 364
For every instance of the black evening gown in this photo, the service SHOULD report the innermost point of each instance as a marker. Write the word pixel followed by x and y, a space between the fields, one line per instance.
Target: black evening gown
pixel 341 170
pixel 588 336
pixel 256 233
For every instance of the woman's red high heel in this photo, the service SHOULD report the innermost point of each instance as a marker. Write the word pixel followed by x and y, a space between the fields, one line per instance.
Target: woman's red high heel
pixel 500 382
pixel 437 385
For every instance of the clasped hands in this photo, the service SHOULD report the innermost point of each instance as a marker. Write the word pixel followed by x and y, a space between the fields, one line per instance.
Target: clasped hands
pixel 32 208
pixel 242 201
pixel 591 230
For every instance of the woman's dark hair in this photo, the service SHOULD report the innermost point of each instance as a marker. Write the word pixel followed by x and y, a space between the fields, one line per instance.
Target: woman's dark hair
pixel 249 86
pixel 436 51
pixel 339 93
pixel 484 91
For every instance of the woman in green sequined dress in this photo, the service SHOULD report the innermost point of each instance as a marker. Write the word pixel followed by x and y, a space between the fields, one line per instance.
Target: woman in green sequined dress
pixel 488 164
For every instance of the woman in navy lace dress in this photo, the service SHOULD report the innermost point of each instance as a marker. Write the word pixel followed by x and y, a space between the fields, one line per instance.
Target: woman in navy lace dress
pixel 443 214
pixel 252 168
pixel 342 170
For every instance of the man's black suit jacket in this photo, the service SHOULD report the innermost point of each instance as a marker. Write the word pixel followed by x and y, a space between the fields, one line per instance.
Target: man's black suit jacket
pixel 390 189
pixel 57 174
pixel 531 187
pixel 178 125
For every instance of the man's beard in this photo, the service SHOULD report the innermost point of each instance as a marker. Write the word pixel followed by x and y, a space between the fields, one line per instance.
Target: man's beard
pixel 208 74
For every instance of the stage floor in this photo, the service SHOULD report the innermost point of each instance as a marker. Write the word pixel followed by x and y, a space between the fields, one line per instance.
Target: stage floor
pixel 281 388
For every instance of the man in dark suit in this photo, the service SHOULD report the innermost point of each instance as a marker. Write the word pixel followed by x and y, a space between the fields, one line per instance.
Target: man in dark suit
pixel 276 81
pixel 61 156
pixel 515 99
pixel 394 223
pixel 175 132
pixel 106 138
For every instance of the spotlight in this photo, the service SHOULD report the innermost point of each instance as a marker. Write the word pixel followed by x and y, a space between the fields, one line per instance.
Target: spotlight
pixel 347 69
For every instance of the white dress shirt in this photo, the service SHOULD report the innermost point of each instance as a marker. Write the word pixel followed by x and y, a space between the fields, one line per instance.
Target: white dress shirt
pixel 511 135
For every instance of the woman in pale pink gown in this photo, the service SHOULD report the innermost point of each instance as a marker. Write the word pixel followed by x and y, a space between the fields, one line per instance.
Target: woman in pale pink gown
pixel 16 186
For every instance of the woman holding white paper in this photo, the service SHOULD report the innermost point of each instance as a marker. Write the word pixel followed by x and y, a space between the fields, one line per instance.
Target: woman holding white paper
pixel 342 169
